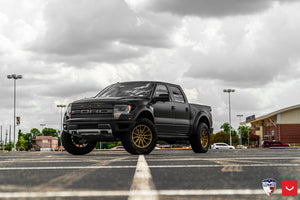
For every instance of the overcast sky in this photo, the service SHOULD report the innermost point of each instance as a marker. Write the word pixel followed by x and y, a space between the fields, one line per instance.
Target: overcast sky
pixel 67 50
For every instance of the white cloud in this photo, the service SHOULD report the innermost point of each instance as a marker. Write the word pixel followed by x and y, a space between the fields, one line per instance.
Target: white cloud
pixel 67 51
pixel 250 51
pixel 98 31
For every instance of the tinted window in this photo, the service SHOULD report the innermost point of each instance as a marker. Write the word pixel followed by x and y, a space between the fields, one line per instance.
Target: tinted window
pixel 177 94
pixel 130 89
pixel 160 89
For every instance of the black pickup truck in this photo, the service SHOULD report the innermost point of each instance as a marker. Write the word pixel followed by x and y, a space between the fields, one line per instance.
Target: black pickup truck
pixel 138 114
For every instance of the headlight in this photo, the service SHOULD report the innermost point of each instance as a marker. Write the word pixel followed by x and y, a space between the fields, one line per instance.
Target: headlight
pixel 121 109
pixel 69 110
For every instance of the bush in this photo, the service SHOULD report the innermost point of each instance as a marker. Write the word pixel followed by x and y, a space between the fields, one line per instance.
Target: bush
pixel 253 137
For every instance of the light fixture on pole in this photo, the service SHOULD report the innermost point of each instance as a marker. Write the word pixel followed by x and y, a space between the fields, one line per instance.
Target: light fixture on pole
pixel 61 128
pixel 240 132
pixel 42 136
pixel 15 78
pixel 229 91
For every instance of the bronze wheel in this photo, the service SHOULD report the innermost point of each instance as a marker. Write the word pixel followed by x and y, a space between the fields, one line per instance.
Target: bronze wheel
pixel 204 138
pixel 200 139
pixel 75 145
pixel 142 136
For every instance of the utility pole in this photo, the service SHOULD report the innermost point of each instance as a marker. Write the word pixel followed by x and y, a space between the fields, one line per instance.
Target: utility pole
pixel 6 137
pixel 15 78
pixel 240 131
pixel 9 134
pixel 61 120
pixel 1 135
pixel 229 91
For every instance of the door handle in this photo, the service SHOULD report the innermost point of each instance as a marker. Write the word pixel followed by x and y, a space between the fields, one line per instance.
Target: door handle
pixel 173 107
pixel 186 109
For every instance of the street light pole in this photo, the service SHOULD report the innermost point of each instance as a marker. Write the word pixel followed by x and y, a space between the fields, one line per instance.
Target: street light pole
pixel 15 78
pixel 229 91
pixel 61 127
pixel 42 136
pixel 240 135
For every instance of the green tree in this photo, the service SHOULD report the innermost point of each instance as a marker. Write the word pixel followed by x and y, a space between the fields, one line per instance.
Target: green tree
pixel 225 127
pixel 221 136
pixel 22 144
pixel 34 132
pixel 9 146
pixel 245 131
pixel 50 132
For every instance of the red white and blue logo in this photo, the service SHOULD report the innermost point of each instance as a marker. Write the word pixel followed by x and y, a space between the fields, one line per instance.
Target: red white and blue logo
pixel 269 186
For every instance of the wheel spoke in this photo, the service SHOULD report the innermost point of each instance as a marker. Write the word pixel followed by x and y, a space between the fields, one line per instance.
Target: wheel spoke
pixel 144 129
pixel 142 136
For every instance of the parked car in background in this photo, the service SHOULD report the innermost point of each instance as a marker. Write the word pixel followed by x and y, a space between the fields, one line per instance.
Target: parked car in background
pixel 241 147
pixel 274 143
pixel 222 146
pixel 118 147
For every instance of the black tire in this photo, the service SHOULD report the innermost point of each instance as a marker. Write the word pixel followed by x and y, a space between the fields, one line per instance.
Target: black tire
pixel 141 139
pixel 74 146
pixel 200 140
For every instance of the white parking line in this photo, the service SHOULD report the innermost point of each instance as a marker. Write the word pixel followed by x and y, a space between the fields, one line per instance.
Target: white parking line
pixel 215 192
pixel 152 166
pixel 142 187
pixel 223 159
pixel 138 193
pixel 66 167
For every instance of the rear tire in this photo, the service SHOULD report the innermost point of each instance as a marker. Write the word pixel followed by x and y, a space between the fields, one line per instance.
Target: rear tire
pixel 200 140
pixel 76 146
pixel 141 139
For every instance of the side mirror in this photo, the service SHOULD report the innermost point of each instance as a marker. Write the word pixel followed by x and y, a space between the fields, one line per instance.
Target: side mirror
pixel 162 97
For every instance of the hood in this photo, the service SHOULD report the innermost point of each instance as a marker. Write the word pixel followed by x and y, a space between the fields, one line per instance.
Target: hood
pixel 111 100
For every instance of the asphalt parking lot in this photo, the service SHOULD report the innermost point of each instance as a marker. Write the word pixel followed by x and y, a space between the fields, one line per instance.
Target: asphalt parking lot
pixel 164 174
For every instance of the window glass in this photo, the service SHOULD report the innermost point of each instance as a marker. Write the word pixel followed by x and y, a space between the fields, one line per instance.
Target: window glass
pixel 160 89
pixel 177 94
pixel 129 89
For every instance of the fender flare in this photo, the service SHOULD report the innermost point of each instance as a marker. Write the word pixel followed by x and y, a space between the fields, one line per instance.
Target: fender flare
pixel 145 111
pixel 201 117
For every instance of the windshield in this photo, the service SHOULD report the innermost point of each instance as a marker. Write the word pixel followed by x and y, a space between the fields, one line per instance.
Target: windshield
pixel 130 89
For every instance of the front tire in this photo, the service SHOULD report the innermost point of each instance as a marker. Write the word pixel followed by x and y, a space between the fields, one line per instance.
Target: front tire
pixel 75 145
pixel 141 139
pixel 200 140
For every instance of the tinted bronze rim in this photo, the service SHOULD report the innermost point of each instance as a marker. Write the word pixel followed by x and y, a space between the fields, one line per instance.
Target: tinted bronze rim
pixel 142 136
pixel 204 138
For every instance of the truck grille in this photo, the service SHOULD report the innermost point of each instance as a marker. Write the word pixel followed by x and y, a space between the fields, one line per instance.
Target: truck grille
pixel 93 110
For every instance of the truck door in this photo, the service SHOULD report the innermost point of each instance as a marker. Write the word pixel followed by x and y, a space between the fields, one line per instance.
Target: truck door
pixel 181 110
pixel 163 112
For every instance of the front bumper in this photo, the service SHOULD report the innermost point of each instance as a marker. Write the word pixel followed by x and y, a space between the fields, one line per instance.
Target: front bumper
pixel 95 128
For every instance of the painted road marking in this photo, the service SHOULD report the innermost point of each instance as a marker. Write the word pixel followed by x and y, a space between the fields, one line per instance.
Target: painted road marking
pixel 142 187
pixel 222 159
pixel 151 166
pixel 114 193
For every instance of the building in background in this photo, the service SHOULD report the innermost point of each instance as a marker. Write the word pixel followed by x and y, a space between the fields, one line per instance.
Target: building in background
pixel 46 143
pixel 282 125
